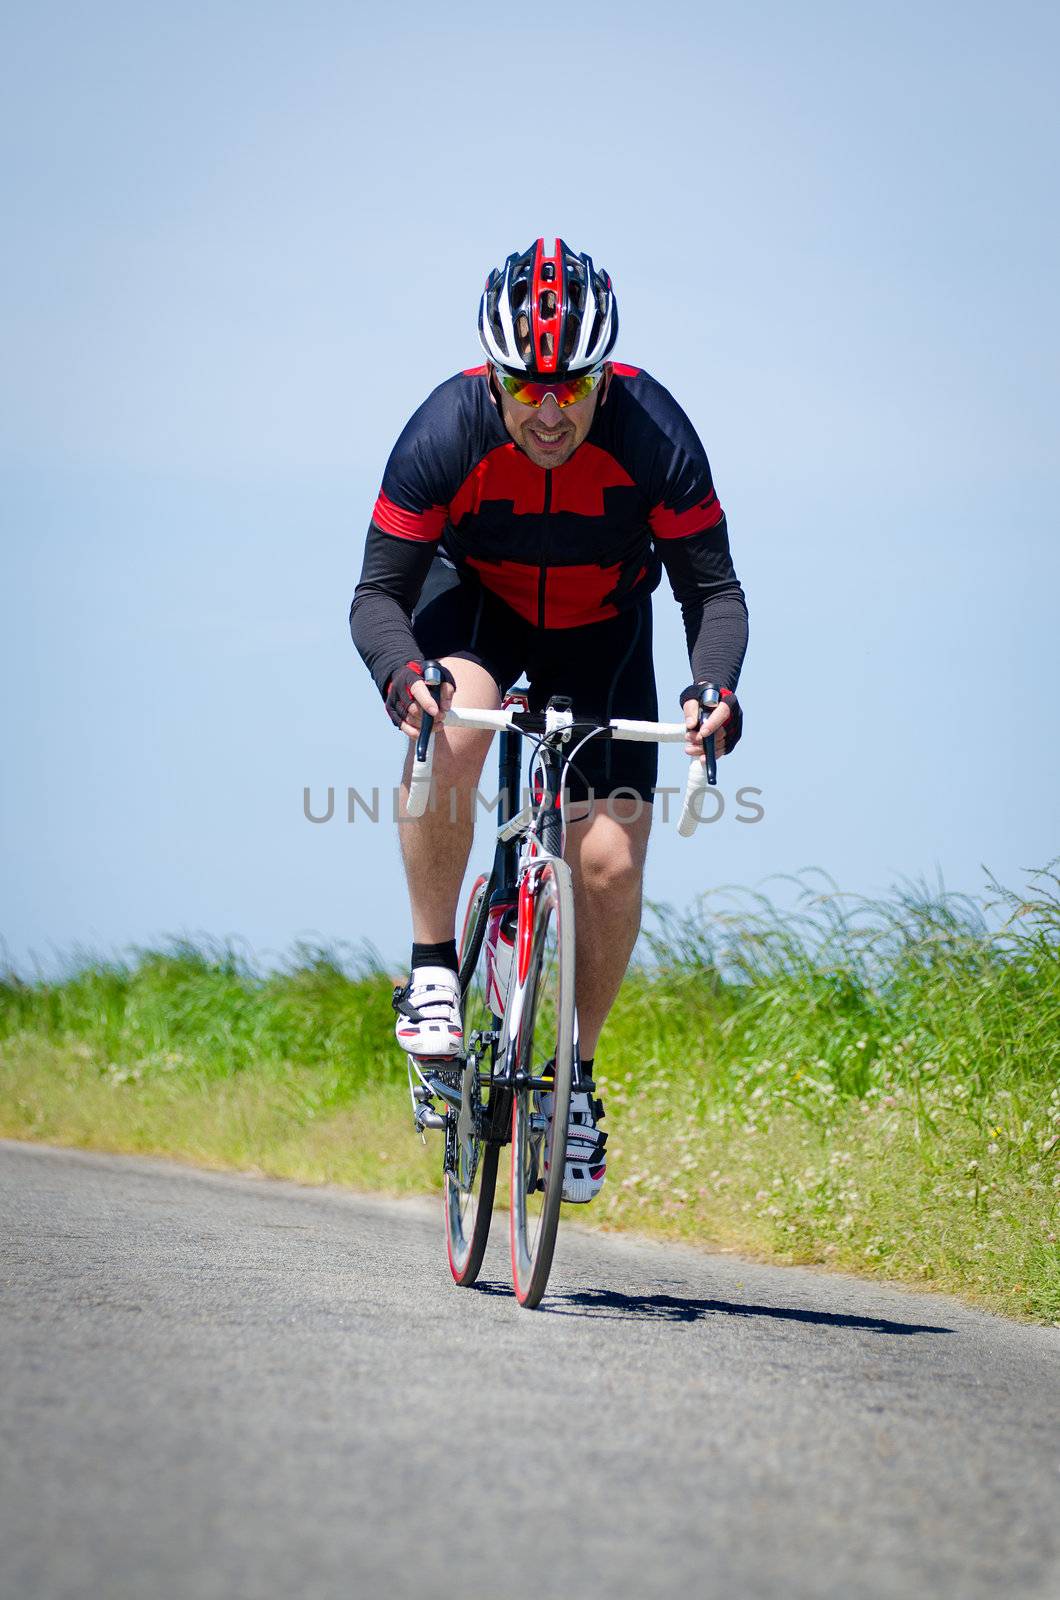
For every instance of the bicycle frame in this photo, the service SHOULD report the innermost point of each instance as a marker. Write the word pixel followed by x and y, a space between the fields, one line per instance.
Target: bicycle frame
pixel 525 844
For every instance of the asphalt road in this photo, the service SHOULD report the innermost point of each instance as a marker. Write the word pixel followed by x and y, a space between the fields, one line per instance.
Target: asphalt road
pixel 216 1386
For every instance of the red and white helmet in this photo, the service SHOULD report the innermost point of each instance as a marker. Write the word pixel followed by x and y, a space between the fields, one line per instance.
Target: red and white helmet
pixel 549 313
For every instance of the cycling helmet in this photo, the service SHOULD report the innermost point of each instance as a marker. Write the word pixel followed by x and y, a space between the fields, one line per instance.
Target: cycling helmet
pixel 550 314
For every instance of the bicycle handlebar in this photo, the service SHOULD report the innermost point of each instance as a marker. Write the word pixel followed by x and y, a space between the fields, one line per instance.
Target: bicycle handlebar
pixel 515 720
pixel 701 775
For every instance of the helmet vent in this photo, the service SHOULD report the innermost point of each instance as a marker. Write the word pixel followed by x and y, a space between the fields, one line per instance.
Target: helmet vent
pixel 548 303
pixel 548 344
pixel 548 272
pixel 493 316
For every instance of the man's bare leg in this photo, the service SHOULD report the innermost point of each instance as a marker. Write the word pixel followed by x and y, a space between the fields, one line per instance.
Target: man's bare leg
pixel 436 846
pixel 606 855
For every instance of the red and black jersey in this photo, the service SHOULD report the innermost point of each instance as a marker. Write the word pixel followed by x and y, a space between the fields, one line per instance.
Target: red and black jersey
pixel 563 547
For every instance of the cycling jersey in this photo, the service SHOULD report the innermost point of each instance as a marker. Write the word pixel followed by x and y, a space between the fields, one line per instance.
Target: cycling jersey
pixel 562 547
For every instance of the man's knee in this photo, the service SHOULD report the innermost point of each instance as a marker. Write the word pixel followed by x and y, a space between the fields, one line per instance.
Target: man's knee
pixel 611 860
pixel 611 879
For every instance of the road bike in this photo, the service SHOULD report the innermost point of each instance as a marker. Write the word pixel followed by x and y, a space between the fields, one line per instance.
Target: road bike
pixel 516 969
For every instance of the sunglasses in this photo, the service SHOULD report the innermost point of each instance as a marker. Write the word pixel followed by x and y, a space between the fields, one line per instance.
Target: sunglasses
pixel 528 392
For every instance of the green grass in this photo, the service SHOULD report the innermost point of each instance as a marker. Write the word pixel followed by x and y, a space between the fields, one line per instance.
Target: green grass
pixel 873 1085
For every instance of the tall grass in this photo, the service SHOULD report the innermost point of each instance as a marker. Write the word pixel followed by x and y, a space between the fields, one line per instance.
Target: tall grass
pixel 872 1083
pixel 843 996
pixel 206 1010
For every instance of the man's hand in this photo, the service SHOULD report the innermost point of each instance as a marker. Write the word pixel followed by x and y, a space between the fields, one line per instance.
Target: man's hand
pixel 425 701
pixel 725 722
pixel 408 697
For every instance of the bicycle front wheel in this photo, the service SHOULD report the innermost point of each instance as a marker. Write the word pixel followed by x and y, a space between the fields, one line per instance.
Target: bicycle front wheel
pixel 471 1157
pixel 544 1050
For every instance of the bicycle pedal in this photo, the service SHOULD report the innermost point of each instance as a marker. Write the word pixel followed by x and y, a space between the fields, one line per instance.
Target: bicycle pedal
pixel 448 1069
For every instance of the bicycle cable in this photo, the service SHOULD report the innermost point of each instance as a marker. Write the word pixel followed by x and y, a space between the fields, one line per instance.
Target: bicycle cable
pixel 563 772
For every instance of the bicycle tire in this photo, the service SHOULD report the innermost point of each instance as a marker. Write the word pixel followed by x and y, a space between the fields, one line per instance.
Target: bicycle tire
pixel 470 1189
pixel 545 1032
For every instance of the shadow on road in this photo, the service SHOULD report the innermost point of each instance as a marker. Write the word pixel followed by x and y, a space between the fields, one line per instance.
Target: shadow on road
pixel 671 1308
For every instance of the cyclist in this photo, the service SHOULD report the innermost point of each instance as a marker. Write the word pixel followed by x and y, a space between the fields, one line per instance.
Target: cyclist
pixel 525 515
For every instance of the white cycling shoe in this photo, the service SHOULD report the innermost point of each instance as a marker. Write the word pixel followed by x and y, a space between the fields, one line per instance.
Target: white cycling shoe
pixel 583 1174
pixel 428 1008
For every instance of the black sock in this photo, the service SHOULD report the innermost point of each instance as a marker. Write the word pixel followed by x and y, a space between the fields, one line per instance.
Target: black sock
pixel 435 955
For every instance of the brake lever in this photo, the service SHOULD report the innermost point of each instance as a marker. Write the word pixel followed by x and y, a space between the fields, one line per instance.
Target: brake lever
pixel 423 760
pixel 432 677
pixel 709 700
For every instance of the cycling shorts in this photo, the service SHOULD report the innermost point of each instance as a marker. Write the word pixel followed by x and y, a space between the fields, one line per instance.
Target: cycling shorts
pixel 606 669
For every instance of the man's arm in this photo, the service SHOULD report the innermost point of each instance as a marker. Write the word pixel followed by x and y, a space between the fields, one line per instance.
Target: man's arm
pixel 407 523
pixel 704 582
pixel 392 575
pixel 664 454
pixel 691 536
pixel 428 463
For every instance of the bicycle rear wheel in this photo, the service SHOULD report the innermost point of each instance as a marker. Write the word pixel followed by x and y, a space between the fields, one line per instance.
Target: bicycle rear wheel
pixel 471 1158
pixel 544 1046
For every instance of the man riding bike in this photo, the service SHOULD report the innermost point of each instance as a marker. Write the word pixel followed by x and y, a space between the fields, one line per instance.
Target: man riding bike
pixel 525 515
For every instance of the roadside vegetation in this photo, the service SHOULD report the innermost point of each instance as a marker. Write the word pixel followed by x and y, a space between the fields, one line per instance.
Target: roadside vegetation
pixel 873 1085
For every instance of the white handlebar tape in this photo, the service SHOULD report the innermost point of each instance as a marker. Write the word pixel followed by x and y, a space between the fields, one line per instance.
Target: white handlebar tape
pixel 648 732
pixel 420 783
pixel 467 717
pixel 690 811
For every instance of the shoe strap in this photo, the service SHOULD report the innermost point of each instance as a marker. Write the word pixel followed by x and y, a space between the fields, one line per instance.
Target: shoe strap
pixel 436 991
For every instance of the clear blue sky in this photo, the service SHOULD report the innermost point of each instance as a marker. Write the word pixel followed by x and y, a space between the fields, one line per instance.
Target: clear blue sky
pixel 243 242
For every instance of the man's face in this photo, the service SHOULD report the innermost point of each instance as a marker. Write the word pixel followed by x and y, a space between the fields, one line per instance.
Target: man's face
pixel 550 433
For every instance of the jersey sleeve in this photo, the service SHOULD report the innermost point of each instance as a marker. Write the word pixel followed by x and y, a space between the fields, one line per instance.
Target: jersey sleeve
pixel 408 519
pixel 713 608
pixel 690 534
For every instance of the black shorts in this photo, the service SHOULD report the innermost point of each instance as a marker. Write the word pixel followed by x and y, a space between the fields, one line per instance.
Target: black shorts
pixel 606 669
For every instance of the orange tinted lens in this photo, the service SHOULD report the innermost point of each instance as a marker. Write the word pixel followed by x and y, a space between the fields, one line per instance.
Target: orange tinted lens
pixel 529 393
